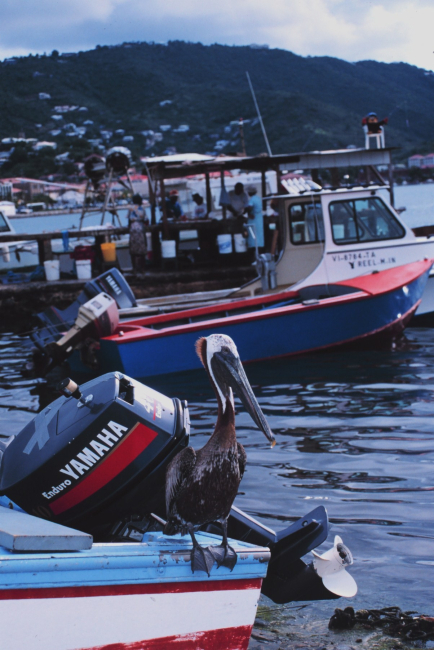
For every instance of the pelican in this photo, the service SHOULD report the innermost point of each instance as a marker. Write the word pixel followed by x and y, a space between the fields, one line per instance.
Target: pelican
pixel 202 485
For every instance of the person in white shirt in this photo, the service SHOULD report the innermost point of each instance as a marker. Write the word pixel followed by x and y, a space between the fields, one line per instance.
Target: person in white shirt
pixel 239 201
pixel 200 211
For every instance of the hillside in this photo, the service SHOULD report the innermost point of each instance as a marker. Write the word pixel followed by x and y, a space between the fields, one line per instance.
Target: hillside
pixel 307 103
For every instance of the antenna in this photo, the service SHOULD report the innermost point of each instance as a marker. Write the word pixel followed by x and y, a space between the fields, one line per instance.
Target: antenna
pixel 259 115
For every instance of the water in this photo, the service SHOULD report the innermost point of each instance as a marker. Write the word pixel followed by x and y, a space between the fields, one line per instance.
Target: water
pixel 50 223
pixel 419 203
pixel 354 433
pixel 418 200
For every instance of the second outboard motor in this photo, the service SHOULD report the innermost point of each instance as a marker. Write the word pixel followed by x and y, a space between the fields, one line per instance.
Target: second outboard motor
pixel 55 322
pixel 96 318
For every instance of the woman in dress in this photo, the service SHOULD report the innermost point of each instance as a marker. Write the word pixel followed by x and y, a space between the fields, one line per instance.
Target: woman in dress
pixel 137 221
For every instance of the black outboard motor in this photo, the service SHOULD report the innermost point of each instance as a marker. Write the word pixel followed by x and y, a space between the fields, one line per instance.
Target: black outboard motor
pixel 96 455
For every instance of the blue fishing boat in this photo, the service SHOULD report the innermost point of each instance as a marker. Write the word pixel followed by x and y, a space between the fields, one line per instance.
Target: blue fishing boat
pixel 276 325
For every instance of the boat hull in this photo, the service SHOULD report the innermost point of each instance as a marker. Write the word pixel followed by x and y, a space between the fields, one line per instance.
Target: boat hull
pixel 135 596
pixel 274 332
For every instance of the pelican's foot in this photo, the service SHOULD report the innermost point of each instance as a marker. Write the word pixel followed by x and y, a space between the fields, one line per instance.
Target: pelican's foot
pixel 224 556
pixel 201 559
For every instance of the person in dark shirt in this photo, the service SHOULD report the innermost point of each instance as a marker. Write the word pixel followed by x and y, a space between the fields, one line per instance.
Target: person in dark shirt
pixel 173 206
pixel 373 124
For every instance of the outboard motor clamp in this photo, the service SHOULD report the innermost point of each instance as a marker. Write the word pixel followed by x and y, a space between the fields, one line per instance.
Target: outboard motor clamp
pixel 96 456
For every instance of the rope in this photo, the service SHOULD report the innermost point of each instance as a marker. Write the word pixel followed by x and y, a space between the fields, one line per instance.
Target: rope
pixel 392 620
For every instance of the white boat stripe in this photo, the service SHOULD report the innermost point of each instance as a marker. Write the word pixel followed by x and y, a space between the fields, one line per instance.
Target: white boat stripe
pixel 71 623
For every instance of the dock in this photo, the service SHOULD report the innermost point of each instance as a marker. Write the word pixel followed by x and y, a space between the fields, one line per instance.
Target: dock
pixel 206 269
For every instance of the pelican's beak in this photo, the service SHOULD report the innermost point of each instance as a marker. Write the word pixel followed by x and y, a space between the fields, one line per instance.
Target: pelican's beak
pixel 227 369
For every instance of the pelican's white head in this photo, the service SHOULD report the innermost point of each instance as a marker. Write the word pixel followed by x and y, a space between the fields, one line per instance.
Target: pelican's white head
pixel 220 357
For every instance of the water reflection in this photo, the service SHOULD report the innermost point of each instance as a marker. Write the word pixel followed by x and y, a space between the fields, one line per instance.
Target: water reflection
pixel 354 432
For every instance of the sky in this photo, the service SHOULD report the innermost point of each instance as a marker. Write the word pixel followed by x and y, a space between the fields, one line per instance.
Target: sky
pixel 354 30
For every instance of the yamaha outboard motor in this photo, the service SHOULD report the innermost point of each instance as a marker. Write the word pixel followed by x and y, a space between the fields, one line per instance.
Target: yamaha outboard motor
pixel 96 459
pixel 96 455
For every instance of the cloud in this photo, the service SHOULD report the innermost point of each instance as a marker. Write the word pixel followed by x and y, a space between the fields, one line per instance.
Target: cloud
pixel 386 30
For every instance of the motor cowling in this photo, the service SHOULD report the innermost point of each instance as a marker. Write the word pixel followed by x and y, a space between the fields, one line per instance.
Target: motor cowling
pixel 96 455
pixel 98 317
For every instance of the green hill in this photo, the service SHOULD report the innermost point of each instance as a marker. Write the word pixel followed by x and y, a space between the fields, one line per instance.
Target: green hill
pixel 306 102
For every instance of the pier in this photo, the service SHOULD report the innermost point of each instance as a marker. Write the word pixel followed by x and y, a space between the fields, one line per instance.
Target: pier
pixel 206 269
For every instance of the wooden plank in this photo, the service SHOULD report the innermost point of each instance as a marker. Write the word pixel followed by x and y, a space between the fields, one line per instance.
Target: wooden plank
pixel 22 532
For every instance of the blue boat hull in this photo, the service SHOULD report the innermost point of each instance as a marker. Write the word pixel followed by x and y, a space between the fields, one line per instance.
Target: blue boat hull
pixel 283 332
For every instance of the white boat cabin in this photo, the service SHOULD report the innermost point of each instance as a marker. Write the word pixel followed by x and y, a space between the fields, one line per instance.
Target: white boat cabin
pixel 331 235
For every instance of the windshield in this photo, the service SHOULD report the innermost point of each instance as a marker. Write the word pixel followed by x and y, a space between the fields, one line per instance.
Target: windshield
pixel 363 220
pixel 306 224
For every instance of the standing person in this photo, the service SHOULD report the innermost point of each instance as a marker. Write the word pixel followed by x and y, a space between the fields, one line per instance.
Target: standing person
pixel 200 211
pixel 239 201
pixel 173 206
pixel 255 219
pixel 137 221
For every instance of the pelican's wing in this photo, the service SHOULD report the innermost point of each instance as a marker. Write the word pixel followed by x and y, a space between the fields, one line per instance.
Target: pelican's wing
pixel 177 475
pixel 242 459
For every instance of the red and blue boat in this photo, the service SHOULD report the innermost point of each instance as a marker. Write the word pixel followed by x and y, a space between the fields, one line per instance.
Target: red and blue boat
pixel 269 326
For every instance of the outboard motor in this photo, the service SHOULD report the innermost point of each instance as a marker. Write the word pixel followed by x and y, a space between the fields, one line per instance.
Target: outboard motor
pixel 96 455
pixel 266 268
pixel 96 459
pixel 96 318
pixel 55 322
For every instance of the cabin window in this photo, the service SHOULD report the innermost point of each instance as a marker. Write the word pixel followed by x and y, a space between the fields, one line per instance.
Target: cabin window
pixel 3 225
pixel 363 220
pixel 306 224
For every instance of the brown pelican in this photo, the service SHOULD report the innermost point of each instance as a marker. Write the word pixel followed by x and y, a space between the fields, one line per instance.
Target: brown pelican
pixel 202 485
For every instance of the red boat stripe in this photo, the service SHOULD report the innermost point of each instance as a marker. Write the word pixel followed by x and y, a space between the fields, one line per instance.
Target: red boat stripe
pixel 235 638
pixel 119 458
pixel 127 590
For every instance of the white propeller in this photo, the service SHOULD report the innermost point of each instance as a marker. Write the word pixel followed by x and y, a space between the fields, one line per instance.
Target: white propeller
pixel 331 565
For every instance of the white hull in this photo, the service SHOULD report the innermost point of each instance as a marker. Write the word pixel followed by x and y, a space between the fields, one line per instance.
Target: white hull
pixel 96 617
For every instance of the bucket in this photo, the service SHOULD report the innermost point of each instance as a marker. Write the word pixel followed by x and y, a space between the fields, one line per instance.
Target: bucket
pixel 109 252
pixel 224 243
pixel 52 271
pixel 84 269
pixel 240 243
pixel 168 248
